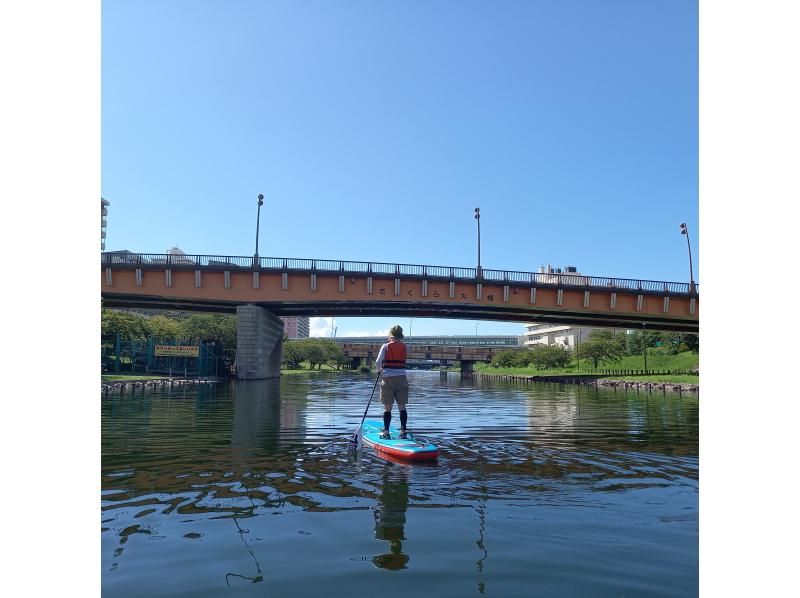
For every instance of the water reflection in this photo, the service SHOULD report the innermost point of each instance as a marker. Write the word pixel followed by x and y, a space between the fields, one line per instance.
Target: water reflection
pixel 390 516
pixel 257 415
pixel 253 579
pixel 259 471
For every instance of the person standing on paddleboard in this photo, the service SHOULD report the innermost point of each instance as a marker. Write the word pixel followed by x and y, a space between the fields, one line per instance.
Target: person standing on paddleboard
pixel 391 363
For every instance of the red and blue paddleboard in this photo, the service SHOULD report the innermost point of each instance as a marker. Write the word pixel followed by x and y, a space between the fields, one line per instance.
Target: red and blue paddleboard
pixel 407 449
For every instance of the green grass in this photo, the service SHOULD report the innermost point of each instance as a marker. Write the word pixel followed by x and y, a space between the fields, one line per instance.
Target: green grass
pixel 655 361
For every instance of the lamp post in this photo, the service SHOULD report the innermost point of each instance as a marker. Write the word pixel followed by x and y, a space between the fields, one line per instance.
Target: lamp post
pixel 258 220
pixel 478 218
pixel 685 231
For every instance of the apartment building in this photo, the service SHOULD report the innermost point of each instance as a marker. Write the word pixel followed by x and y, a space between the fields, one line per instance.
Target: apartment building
pixel 296 327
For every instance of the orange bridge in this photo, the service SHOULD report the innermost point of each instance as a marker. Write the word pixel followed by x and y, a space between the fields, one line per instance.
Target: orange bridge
pixel 286 287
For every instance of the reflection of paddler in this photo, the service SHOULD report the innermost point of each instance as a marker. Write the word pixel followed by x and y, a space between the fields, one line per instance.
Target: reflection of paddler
pixel 390 519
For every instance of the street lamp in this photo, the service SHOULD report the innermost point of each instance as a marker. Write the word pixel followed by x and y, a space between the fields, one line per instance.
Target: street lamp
pixel 258 219
pixel 478 218
pixel 685 231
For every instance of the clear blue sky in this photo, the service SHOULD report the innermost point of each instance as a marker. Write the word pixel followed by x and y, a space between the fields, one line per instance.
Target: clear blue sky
pixel 374 129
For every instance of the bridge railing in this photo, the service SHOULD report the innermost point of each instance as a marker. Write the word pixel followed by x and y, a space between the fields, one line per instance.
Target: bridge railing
pixel 539 279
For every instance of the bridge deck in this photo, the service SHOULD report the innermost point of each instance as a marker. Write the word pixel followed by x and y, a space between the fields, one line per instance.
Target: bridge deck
pixel 288 286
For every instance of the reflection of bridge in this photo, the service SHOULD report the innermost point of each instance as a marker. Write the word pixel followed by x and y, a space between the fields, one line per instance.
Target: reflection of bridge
pixel 258 291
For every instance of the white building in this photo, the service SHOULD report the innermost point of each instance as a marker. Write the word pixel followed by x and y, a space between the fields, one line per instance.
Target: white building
pixel 556 334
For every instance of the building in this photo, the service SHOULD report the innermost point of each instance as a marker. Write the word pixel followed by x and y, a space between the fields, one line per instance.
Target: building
pixel 104 203
pixel 296 327
pixel 556 334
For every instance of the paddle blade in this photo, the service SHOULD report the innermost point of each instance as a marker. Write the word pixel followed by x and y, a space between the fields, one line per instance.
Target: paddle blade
pixel 357 439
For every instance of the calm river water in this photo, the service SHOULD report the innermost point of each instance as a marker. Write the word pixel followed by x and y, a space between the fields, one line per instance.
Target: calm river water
pixel 247 489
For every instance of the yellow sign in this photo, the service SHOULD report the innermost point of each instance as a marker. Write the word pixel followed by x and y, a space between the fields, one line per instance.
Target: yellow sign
pixel 177 351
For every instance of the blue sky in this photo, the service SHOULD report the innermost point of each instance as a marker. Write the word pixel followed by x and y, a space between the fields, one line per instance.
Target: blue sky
pixel 374 129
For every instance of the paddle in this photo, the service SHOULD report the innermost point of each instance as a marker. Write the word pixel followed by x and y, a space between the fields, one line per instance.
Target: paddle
pixel 354 439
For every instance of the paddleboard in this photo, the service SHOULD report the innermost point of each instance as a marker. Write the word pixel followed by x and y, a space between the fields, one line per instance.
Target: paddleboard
pixel 408 449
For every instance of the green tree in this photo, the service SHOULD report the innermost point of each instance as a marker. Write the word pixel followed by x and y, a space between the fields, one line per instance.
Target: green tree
pixel 637 340
pixel 333 352
pixel 601 348
pixel 163 327
pixel 128 326
pixel 691 342
pixel 293 354
pixel 511 358
pixel 556 357
pixel 218 328
pixel 316 352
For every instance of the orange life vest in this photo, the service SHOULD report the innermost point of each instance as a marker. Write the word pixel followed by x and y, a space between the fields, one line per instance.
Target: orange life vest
pixel 395 356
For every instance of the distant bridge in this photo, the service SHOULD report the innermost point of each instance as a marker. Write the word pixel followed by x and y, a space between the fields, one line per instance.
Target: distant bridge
pixel 426 349
pixel 417 353
pixel 494 341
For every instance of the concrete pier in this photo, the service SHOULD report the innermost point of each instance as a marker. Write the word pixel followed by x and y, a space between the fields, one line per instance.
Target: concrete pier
pixel 259 343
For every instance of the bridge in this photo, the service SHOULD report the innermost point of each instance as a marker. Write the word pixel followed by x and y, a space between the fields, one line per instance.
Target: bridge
pixel 260 289
pixel 429 349
pixel 417 354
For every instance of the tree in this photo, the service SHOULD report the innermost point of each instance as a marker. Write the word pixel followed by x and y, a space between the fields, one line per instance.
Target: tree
pixel 163 327
pixel 316 354
pixel 511 358
pixel 539 356
pixel 128 326
pixel 218 328
pixel 691 341
pixel 556 357
pixel 293 354
pixel 637 340
pixel 601 348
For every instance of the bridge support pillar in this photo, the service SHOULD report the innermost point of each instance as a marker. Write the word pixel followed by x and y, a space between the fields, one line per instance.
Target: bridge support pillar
pixel 355 363
pixel 466 369
pixel 259 343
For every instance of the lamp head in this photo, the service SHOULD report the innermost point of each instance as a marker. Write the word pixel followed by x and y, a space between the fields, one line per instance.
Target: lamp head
pixel 260 199
pixel 683 228
pixel 477 213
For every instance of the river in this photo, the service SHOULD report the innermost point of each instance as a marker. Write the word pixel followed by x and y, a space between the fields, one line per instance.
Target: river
pixel 248 489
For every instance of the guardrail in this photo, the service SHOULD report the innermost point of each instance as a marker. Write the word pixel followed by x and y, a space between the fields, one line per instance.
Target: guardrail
pixel 348 268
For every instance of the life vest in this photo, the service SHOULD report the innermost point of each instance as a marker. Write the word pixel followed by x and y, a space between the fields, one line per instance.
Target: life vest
pixel 395 356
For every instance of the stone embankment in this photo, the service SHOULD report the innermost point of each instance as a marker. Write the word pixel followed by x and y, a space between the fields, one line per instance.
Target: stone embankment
pixel 590 381
pixel 132 386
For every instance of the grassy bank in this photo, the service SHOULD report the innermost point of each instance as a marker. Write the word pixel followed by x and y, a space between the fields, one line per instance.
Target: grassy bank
pixel 655 361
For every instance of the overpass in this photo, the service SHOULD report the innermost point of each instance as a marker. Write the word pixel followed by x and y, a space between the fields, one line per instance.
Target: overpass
pixel 426 349
pixel 497 341
pixel 415 352
pixel 258 290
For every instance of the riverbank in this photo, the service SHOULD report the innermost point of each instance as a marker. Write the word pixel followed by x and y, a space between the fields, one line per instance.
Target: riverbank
pixel 629 384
